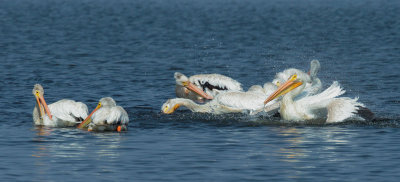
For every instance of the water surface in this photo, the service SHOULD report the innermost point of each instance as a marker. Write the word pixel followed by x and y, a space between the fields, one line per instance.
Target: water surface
pixel 129 50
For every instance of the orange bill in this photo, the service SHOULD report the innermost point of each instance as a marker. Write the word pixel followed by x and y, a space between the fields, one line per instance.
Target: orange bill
pixel 40 100
pixel 89 118
pixel 196 89
pixel 284 88
pixel 40 106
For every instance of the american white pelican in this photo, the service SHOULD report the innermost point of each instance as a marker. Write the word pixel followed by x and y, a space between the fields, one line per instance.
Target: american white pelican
pixel 61 113
pixel 204 86
pixel 226 102
pixel 107 116
pixel 322 105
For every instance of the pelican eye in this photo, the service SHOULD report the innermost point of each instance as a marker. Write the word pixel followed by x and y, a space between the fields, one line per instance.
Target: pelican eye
pixel 278 83
pixel 166 108
pixel 293 77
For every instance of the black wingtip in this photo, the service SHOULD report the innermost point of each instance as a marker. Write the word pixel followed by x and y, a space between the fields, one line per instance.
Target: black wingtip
pixel 277 115
pixel 365 113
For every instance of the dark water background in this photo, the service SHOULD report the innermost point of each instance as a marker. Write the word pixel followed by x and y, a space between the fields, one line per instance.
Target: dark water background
pixel 129 50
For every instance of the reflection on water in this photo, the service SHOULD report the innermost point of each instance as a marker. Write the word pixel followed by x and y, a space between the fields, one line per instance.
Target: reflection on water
pixel 69 145
pixel 41 133
pixel 109 145
pixel 307 149
pixel 293 152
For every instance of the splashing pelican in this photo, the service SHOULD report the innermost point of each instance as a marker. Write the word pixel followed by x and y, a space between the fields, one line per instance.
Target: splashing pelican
pixel 204 86
pixel 59 114
pixel 107 116
pixel 322 105
pixel 226 102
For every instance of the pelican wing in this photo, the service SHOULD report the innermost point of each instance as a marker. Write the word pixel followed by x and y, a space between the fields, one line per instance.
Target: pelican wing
pixel 69 110
pixel 110 115
pixel 322 99
pixel 215 81
pixel 117 115
pixel 342 108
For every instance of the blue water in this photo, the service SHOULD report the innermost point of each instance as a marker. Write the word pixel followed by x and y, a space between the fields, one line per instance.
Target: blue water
pixel 129 50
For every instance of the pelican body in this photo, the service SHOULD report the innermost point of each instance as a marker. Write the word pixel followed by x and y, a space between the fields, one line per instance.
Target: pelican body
pixel 323 105
pixel 204 86
pixel 107 116
pixel 62 113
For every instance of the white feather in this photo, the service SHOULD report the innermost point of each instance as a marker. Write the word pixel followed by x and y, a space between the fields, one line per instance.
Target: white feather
pixel 322 99
pixel 340 109
pixel 110 115
pixel 242 100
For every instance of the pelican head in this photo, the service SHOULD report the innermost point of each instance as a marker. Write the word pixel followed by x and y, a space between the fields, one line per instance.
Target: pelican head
pixel 184 81
pixel 294 84
pixel 38 92
pixel 38 88
pixel 170 106
pixel 104 102
pixel 107 102
pixel 283 76
pixel 180 78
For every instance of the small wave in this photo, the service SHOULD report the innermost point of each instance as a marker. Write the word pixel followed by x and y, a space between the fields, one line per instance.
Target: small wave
pixel 237 119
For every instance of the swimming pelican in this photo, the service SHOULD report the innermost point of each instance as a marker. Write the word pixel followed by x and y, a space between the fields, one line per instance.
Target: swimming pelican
pixel 204 86
pixel 226 102
pixel 107 116
pixel 311 88
pixel 61 113
pixel 315 107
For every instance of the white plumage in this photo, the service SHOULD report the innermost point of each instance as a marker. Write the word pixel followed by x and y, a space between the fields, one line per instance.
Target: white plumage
pixel 340 109
pixel 63 112
pixel 110 115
